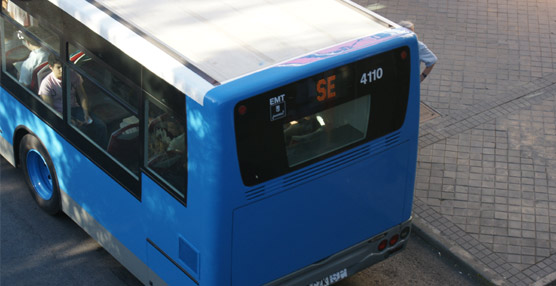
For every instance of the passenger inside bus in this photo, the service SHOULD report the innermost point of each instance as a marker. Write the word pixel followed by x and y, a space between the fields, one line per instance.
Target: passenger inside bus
pixel 38 55
pixel 167 148
pixel 51 92
pixel 166 134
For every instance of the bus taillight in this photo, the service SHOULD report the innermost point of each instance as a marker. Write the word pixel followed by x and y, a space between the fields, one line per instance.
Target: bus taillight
pixel 382 245
pixel 394 239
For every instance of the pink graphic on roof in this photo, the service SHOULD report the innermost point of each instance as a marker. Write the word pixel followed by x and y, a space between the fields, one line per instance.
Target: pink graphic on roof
pixel 344 48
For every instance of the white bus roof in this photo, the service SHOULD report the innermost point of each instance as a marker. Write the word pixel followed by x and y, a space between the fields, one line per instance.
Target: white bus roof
pixel 197 44
pixel 229 38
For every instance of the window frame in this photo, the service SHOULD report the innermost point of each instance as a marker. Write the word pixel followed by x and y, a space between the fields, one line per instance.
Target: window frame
pixel 119 65
pixel 152 174
pixel 135 88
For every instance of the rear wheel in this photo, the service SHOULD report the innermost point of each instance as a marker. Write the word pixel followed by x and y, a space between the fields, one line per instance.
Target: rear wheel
pixel 40 174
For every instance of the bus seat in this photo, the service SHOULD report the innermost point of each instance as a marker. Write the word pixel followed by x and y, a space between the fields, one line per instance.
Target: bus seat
pixel 123 143
pixel 42 74
pixel 79 58
pixel 34 79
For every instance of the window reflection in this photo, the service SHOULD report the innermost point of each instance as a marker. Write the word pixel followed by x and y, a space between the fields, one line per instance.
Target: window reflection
pixel 27 46
pixel 102 101
pixel 18 14
pixel 110 125
pixel 14 50
pixel 104 76
pixel 323 132
pixel 104 117
pixel 166 146
pixel 26 53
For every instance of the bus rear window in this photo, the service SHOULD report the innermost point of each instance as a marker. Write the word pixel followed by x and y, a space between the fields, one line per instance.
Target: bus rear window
pixel 329 130
pixel 314 118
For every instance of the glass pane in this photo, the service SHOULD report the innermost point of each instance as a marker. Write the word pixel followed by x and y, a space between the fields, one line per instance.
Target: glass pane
pixel 324 132
pixel 32 25
pixel 103 120
pixel 18 14
pixel 167 147
pixel 104 76
pixel 37 40
pixel 27 53
pixel 14 50
pixel 47 37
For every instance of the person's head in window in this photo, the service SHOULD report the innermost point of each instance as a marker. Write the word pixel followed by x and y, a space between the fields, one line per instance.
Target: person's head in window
pixel 55 65
pixel 51 92
pixel 29 41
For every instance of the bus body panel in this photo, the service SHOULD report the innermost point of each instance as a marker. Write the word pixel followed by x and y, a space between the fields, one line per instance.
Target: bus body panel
pixel 157 217
pixel 316 219
pixel 166 269
pixel 111 215
pixel 167 223
pixel 208 189
pixel 108 214
pixel 245 253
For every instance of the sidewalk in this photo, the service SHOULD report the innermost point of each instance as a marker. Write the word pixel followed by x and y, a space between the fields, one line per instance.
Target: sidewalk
pixel 486 174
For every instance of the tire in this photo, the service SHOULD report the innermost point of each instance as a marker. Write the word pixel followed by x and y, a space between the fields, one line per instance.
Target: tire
pixel 40 174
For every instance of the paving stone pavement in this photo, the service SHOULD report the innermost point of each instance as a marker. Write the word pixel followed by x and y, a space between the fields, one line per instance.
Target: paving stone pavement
pixel 486 174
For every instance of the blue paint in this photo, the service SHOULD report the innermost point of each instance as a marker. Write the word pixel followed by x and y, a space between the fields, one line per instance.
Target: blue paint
pixel 39 174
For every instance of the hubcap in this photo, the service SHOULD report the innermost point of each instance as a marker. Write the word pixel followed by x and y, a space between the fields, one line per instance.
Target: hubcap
pixel 39 174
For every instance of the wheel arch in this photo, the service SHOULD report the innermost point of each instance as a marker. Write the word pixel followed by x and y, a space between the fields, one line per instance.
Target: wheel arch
pixel 19 133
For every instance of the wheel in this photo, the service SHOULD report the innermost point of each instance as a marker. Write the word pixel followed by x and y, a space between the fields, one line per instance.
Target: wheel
pixel 40 174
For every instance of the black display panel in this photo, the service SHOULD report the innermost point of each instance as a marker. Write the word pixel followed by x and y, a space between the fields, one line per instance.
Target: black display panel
pixel 314 118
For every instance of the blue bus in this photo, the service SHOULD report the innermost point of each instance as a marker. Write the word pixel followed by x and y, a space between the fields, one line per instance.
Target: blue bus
pixel 216 142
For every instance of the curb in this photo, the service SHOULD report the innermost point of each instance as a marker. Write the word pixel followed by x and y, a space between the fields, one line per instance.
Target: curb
pixel 431 235
pixel 483 274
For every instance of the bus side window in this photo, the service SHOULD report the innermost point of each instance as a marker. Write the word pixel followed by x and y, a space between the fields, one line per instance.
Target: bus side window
pixel 13 49
pixel 113 124
pixel 99 71
pixel 26 47
pixel 28 70
pixel 166 138
pixel 18 14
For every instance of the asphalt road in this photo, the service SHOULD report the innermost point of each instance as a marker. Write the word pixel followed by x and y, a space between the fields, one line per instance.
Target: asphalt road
pixel 38 249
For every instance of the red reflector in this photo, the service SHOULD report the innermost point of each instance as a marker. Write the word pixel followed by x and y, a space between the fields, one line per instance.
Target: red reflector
pixel 242 109
pixel 403 55
pixel 394 239
pixel 382 245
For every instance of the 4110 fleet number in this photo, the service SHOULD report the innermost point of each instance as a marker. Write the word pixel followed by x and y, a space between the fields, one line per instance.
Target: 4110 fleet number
pixel 371 76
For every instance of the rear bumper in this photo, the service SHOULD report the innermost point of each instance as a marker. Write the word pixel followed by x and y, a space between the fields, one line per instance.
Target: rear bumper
pixel 351 260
